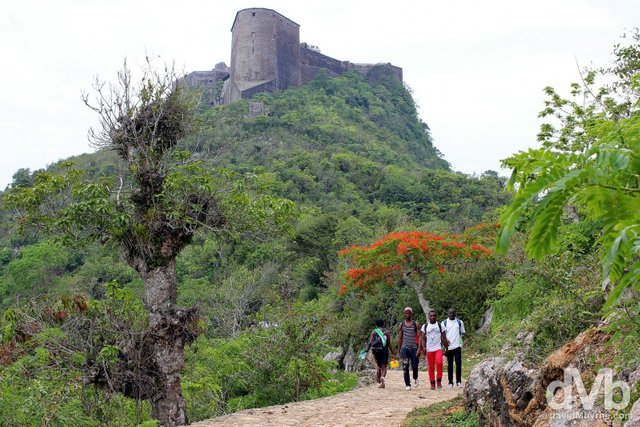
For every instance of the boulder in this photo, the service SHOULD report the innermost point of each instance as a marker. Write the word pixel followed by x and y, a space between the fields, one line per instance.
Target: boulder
pixel 479 390
pixel 634 415
pixel 634 377
pixel 502 392
pixel 485 321
pixel 350 360
pixel 333 356
pixel 510 393
pixel 574 414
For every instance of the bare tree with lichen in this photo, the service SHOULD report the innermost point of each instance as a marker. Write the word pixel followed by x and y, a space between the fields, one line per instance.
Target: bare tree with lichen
pixel 151 212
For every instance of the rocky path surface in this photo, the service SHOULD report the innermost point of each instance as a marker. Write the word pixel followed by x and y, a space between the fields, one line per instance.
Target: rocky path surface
pixel 364 406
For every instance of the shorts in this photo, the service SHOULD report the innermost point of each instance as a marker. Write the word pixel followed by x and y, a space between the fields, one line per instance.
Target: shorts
pixel 381 356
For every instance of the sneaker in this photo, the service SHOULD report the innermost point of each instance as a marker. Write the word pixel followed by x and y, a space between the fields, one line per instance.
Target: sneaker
pixel 450 385
pixel 408 388
pixel 433 385
pixel 459 385
pixel 439 384
pixel 415 383
pixel 381 383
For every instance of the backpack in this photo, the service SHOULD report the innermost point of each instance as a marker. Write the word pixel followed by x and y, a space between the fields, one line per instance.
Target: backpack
pixel 424 327
pixel 424 332
pixel 379 340
pixel 444 322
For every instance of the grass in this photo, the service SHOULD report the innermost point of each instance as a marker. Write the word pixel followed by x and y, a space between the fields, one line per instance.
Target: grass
pixel 442 414
pixel 452 412
pixel 469 361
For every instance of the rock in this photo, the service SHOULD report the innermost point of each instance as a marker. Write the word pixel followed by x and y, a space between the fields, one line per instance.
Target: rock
pixel 485 321
pixel 352 363
pixel 634 377
pixel 510 393
pixel 506 348
pixel 574 415
pixel 350 360
pixel 519 389
pixel 479 390
pixel 526 339
pixel 334 355
pixel 634 415
pixel 522 347
pixel 573 353
pixel 366 377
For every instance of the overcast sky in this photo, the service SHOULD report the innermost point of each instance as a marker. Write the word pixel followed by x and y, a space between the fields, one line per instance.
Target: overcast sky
pixel 476 68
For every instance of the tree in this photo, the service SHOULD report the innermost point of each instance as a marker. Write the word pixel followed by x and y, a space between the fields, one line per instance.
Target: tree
pixel 22 178
pixel 411 257
pixel 151 213
pixel 589 164
pixel 35 270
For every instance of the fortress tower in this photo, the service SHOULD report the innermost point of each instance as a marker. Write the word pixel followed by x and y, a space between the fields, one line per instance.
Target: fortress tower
pixel 265 54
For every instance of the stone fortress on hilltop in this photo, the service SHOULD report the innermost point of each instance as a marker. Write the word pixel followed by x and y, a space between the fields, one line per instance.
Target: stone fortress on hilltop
pixel 267 56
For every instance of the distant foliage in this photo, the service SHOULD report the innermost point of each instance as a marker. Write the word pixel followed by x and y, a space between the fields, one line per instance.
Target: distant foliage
pixel 590 162
pixel 359 164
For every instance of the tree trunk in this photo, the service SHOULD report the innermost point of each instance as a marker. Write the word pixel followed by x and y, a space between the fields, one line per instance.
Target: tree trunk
pixel 417 287
pixel 166 331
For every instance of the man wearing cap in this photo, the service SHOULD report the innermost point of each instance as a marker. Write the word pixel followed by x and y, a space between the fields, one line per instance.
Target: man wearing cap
pixel 408 347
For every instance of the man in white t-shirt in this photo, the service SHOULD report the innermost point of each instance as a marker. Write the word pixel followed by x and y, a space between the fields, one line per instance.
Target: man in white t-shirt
pixel 454 331
pixel 433 337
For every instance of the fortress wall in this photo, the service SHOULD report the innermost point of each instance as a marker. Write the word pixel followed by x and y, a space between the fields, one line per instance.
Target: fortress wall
pixel 312 62
pixel 364 69
pixel 269 86
pixel 231 93
pixel 200 78
pixel 253 53
pixel 207 82
pixel 265 46
pixel 287 41
pixel 266 55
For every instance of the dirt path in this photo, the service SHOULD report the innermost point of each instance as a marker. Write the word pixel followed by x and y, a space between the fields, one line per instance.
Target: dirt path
pixel 365 406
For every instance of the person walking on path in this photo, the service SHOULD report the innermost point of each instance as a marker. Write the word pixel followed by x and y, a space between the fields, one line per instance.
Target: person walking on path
pixel 408 347
pixel 379 343
pixel 454 331
pixel 434 336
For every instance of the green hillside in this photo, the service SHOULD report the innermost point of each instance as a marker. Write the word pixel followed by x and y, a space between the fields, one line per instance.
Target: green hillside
pixel 351 153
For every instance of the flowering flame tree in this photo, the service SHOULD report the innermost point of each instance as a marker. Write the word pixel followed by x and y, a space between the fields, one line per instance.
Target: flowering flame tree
pixel 411 257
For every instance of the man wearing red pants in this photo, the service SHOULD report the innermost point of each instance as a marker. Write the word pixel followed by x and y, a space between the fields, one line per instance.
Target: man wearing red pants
pixel 433 336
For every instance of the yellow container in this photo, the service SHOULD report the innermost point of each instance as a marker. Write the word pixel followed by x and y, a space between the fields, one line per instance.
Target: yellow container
pixel 394 364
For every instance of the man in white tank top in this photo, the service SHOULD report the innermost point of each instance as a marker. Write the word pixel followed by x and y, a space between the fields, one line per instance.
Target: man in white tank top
pixel 408 347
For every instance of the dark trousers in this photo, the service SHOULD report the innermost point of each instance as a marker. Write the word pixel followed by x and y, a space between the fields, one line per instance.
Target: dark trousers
pixel 409 355
pixel 455 354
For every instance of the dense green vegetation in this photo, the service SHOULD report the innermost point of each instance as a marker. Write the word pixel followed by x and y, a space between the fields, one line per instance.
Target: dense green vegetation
pixel 578 197
pixel 349 151
pixel 353 156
